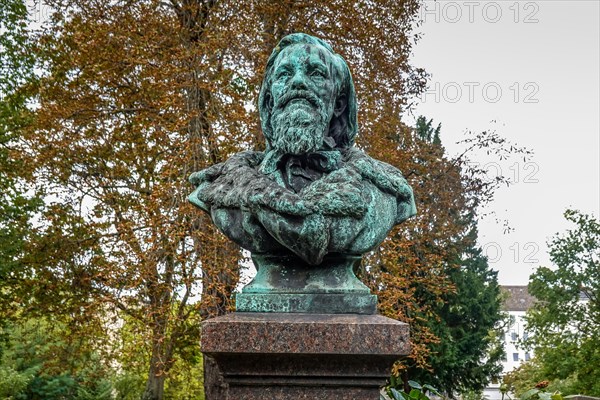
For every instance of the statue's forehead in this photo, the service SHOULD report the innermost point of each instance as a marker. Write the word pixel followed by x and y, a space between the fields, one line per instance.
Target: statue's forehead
pixel 304 52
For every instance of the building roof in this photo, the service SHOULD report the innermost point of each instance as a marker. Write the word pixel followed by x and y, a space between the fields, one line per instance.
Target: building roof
pixel 518 298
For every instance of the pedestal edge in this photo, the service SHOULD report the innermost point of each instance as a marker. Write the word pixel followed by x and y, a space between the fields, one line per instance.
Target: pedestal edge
pixel 284 333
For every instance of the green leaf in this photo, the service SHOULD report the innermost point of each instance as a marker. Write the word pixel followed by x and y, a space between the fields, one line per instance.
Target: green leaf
pixel 530 393
pixel 396 394
pixel 545 396
pixel 431 389
pixel 415 385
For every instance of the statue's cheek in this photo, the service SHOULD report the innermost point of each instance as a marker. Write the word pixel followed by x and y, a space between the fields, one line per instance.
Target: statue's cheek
pixel 277 90
pixel 325 90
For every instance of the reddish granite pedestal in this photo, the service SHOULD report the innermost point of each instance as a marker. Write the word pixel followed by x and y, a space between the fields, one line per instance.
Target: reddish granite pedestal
pixel 272 356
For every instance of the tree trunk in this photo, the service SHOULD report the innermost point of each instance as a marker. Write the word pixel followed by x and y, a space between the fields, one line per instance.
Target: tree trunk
pixel 161 360
pixel 155 386
pixel 219 274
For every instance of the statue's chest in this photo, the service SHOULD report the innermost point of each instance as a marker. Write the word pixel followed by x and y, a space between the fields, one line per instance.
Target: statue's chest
pixel 296 177
pixel 298 172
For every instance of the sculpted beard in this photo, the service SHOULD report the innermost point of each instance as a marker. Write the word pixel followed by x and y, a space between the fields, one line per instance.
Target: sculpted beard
pixel 299 127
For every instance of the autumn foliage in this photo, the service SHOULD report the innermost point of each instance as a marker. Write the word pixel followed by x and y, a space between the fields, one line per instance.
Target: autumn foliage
pixel 132 97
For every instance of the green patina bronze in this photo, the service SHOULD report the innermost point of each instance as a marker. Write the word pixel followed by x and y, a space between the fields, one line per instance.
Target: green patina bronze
pixel 311 204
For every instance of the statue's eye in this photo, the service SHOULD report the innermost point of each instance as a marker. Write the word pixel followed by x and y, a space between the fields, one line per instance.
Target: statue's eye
pixel 317 74
pixel 282 74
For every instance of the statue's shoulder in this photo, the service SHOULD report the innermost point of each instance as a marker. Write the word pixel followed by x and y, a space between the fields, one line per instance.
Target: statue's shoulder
pixel 245 160
pixel 225 184
pixel 234 164
pixel 386 177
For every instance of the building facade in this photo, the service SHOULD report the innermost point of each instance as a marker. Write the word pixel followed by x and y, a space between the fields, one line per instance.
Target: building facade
pixel 518 301
pixel 516 305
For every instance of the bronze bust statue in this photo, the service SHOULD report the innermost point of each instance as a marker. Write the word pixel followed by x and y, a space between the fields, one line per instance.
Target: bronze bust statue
pixel 310 204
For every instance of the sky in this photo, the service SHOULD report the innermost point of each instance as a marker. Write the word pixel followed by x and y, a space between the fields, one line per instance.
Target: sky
pixel 530 71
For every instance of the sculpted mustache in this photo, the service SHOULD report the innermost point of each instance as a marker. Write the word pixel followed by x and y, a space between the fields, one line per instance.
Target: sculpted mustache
pixel 299 94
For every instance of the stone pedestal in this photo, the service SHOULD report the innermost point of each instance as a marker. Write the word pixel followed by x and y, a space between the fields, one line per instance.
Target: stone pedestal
pixel 272 356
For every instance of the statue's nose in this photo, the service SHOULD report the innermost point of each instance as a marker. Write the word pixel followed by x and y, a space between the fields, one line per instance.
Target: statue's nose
pixel 298 81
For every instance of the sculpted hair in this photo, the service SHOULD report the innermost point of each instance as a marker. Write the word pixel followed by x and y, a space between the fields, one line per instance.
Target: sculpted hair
pixel 342 129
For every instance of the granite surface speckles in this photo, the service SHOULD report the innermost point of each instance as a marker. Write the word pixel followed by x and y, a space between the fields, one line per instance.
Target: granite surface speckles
pixel 304 356
pixel 302 393
pixel 305 334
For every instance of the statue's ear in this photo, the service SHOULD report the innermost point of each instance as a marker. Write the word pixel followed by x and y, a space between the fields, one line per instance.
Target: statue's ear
pixel 340 105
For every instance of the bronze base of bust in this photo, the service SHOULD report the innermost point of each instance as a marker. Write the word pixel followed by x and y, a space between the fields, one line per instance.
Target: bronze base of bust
pixel 288 284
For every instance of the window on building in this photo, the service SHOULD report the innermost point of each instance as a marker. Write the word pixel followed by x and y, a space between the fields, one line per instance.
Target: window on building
pixel 515 356
pixel 525 335
pixel 513 336
pixel 527 357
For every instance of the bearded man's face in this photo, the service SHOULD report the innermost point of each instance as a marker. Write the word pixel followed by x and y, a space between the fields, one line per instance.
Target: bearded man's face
pixel 303 98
